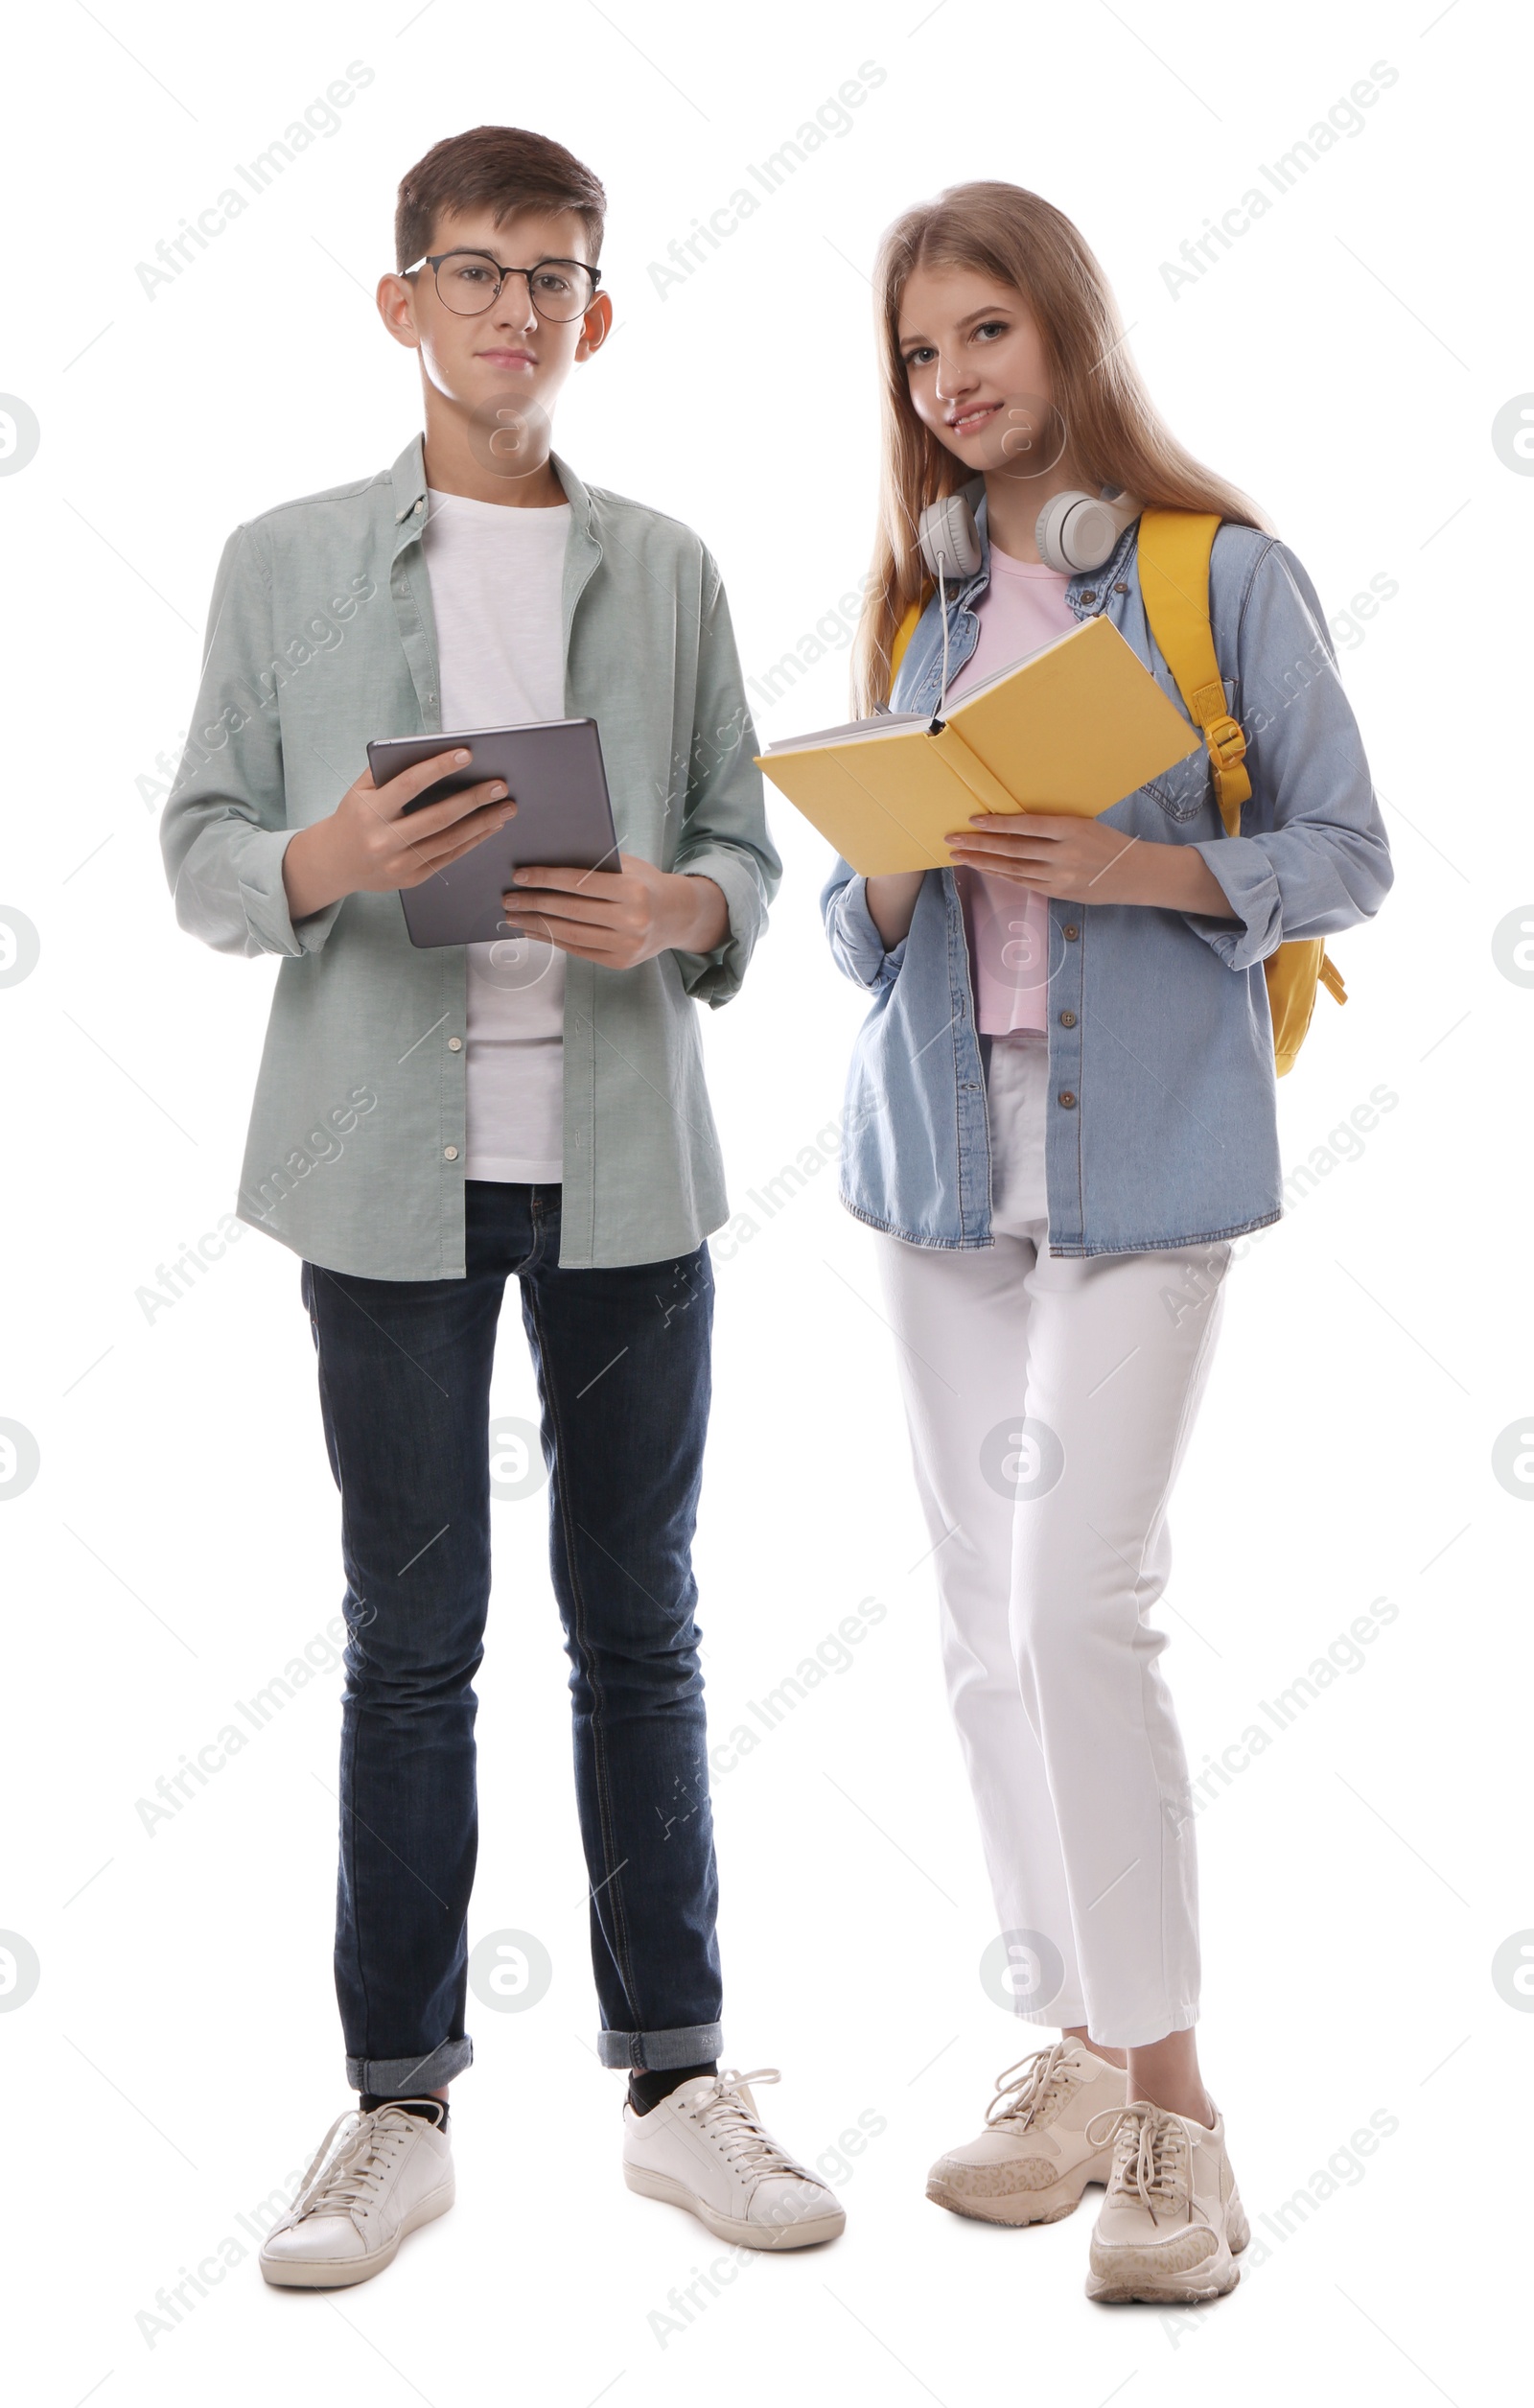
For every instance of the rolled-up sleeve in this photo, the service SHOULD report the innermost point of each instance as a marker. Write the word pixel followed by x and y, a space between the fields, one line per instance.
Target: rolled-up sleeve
pixel 1313 856
pixel 724 825
pixel 223 831
pixel 857 949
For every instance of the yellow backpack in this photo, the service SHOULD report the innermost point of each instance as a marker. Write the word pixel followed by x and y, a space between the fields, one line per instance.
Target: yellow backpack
pixel 1173 554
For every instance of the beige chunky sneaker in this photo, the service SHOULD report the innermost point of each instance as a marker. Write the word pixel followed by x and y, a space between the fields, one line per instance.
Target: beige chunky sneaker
pixel 1173 2224
pixel 1034 2160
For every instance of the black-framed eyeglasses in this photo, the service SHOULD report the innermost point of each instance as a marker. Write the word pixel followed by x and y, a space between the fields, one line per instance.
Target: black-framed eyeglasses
pixel 468 282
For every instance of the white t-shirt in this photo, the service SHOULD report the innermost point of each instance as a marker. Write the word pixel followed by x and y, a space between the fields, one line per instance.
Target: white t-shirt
pixel 496 582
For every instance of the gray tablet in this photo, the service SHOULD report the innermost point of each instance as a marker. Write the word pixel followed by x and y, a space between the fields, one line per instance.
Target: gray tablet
pixel 554 772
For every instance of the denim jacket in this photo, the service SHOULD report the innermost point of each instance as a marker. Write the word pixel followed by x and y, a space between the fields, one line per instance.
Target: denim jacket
pixel 1162 1125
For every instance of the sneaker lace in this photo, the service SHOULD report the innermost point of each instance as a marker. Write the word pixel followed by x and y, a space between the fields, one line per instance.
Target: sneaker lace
pixel 731 2124
pixel 1150 2161
pixel 1028 2091
pixel 351 2174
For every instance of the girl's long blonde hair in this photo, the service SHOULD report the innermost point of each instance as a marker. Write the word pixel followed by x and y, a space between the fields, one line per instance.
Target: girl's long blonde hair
pixel 1115 435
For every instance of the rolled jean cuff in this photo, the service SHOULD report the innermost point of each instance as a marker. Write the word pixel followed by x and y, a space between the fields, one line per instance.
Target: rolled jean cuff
pixel 411 2077
pixel 660 2053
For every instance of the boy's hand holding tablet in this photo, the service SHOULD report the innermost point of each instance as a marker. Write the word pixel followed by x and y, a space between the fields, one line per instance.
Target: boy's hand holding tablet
pixel 373 844
pixel 419 809
pixel 620 916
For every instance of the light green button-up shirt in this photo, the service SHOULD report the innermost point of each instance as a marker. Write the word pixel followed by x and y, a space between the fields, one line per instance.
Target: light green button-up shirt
pixel 320 637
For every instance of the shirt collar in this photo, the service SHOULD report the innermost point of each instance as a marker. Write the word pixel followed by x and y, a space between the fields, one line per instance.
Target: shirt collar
pixel 408 481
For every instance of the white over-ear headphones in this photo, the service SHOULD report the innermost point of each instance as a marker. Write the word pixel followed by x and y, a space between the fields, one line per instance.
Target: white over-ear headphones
pixel 1074 531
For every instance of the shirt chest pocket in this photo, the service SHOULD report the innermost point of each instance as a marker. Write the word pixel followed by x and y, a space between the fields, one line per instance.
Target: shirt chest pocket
pixel 1182 790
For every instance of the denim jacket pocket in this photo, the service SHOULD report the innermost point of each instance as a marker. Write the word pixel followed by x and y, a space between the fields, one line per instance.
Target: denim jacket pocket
pixel 1183 791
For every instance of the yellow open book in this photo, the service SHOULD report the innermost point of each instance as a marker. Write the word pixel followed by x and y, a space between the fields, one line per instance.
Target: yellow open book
pixel 1074 728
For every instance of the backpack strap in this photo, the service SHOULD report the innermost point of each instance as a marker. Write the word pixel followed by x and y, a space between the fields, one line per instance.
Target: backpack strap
pixel 1173 556
pixel 903 634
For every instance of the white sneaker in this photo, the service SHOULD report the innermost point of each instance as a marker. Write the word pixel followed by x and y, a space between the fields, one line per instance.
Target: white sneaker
pixel 1173 2224
pixel 1034 2160
pixel 388 2172
pixel 704 2148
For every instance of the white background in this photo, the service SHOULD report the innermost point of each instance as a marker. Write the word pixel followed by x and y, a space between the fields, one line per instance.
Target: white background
pixel 180 2057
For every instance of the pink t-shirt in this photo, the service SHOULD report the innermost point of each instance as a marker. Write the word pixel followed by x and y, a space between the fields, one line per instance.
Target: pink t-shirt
pixel 1023 608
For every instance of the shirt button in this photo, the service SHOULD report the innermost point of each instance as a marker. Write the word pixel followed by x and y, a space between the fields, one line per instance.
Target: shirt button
pixel 1067 1020
pixel 1090 596
pixel 419 507
pixel 1067 1099
pixel 1120 589
pixel 455 1045
pixel 451 1153
pixel 1071 930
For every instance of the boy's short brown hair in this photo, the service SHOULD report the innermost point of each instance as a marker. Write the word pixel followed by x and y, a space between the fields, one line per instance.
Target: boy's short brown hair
pixel 503 168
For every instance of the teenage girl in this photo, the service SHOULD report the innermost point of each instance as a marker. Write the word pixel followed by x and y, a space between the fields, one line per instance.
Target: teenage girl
pixel 1060 1113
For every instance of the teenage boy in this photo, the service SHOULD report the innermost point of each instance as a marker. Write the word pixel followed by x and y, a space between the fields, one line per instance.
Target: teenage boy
pixel 427 1123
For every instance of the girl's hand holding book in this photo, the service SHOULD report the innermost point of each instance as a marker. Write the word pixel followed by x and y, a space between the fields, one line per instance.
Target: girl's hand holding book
pixel 1080 860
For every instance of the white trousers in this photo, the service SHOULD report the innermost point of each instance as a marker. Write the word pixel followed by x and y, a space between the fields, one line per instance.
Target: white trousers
pixel 1049 1403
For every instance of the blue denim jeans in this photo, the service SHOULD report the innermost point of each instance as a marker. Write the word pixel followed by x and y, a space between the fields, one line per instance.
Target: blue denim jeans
pixel 622 1361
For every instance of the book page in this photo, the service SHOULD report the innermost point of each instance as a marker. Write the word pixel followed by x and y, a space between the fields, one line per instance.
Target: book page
pixel 855 732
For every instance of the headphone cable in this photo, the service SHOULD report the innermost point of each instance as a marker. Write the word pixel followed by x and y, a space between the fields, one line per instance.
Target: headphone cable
pixel 936 729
